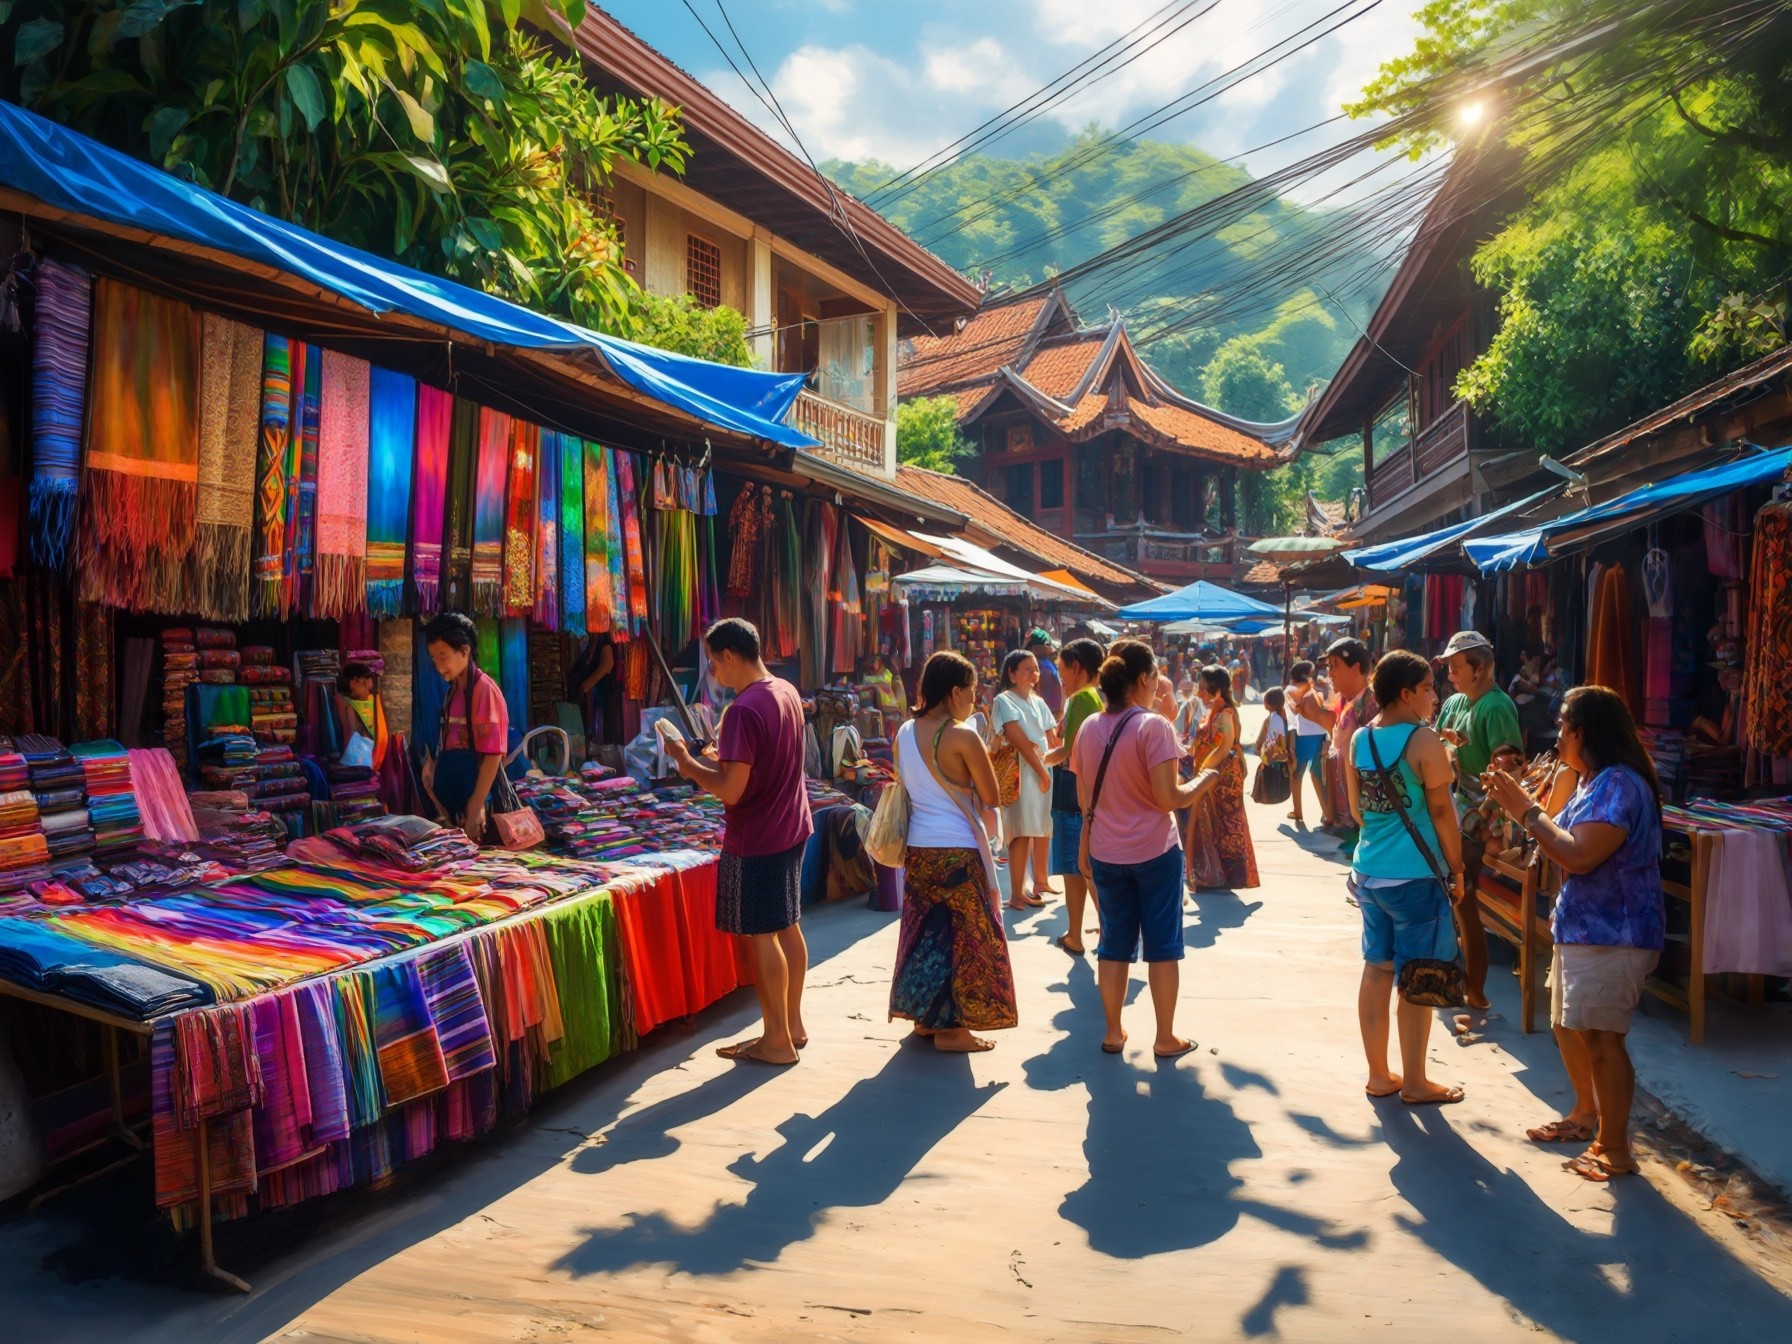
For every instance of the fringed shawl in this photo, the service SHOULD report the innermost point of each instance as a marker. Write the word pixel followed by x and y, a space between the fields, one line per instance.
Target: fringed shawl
pixel 216 579
pixel 490 476
pixel 572 535
pixel 301 482
pixel 631 542
pixel 58 407
pixel 393 443
pixel 270 473
pixel 519 520
pixel 463 453
pixel 547 532
pixel 435 418
pixel 142 477
pixel 342 450
pixel 600 602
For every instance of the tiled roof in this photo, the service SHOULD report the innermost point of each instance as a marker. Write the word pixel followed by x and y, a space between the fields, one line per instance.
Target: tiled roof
pixel 991 515
pixel 1057 368
pixel 1208 437
pixel 987 341
pixel 1263 572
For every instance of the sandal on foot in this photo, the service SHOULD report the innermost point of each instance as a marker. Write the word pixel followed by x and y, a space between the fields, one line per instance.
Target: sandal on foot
pixel 1560 1131
pixel 1393 1091
pixel 1107 1049
pixel 1177 1053
pixel 1598 1168
pixel 1448 1097
pixel 1063 941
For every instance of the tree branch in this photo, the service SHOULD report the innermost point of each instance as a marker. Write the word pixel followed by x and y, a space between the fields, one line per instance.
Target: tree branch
pixel 1761 144
pixel 1723 230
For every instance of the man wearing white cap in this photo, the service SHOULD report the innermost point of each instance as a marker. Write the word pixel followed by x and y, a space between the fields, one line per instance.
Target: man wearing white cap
pixel 1478 722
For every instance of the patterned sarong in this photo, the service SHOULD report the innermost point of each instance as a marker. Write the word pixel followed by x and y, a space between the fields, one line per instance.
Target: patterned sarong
pixel 547 532
pixel 342 451
pixel 952 967
pixel 572 535
pixel 393 442
pixel 216 579
pixel 490 476
pixel 600 602
pixel 457 527
pixel 58 407
pixel 435 418
pixel 519 520
pixel 270 473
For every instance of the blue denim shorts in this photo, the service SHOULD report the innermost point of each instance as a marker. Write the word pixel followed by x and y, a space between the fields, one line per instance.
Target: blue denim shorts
pixel 1307 753
pixel 1140 903
pixel 1066 844
pixel 1407 921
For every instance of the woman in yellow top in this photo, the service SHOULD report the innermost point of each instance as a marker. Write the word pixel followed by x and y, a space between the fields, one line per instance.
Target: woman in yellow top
pixel 887 690
pixel 359 710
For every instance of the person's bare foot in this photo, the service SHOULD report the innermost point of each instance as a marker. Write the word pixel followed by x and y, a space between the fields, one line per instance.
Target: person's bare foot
pixel 1383 1085
pixel 959 1041
pixel 1172 1048
pixel 922 1033
pixel 1432 1094
pixel 1479 1002
pixel 1049 889
pixel 1113 1045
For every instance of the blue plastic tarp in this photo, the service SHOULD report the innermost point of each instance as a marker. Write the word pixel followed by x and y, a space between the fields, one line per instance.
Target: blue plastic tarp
pixel 68 170
pixel 1199 601
pixel 1392 557
pixel 1687 491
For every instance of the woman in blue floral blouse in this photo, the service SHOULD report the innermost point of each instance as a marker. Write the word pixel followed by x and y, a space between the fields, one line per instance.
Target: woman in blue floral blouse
pixel 1608 920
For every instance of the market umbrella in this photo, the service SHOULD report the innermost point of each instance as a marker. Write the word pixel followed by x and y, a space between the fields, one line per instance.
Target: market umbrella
pixel 1287 550
pixel 1199 601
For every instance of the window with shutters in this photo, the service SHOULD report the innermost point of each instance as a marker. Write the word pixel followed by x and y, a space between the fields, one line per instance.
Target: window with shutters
pixel 703 271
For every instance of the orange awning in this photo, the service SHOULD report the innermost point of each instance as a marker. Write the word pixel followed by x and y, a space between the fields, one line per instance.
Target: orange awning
pixel 897 537
pixel 1069 580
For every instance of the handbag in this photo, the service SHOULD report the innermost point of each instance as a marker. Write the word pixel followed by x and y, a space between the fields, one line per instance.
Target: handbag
pixel 1005 757
pixel 886 839
pixel 1429 982
pixel 1101 774
pixel 1272 783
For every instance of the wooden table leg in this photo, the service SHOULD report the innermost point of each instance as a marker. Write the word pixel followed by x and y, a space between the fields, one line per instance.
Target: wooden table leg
pixel 109 1034
pixel 207 1260
pixel 1695 977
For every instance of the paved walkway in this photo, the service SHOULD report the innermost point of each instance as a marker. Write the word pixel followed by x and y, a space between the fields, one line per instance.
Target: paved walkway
pixel 1041 1192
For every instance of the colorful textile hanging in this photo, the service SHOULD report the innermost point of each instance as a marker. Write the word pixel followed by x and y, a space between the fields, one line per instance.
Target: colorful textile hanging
pixel 675 569
pixel 275 446
pixel 513 670
pixel 635 560
pixel 58 407
pixel 600 600
pixel 519 520
pixel 616 548
pixel 490 476
pixel 301 480
pixel 142 477
pixel 435 418
pixel 547 532
pixel 342 454
pixel 820 547
pixel 95 671
pixel 784 551
pixel 490 650
pixel 392 445
pixel 572 535
pixel 844 602
pixel 216 581
pixel 457 527
pixel 748 521
pixel 1767 646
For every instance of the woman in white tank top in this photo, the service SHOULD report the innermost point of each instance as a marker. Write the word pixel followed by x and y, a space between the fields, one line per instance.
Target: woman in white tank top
pixel 952 971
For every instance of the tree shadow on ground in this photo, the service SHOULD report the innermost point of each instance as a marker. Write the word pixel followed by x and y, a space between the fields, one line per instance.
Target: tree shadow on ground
pixel 855 1154
pixel 1644 1279
pixel 1159 1148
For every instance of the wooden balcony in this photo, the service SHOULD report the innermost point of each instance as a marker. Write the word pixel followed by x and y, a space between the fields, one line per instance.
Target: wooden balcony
pixel 1175 557
pixel 1443 441
pixel 847 435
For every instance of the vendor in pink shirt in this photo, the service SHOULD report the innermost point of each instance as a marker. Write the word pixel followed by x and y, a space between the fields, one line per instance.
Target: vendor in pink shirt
pixel 1125 760
pixel 475 728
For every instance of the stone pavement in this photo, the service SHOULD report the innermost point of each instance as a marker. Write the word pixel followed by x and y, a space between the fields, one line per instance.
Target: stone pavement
pixel 1041 1192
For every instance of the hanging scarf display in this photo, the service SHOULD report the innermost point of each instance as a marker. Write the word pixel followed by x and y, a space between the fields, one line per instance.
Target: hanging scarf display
pixel 600 600
pixel 301 481
pixel 572 534
pixel 748 521
pixel 58 407
pixel 463 453
pixel 547 532
pixel 271 453
pixel 844 599
pixel 820 546
pixel 783 578
pixel 435 420
pixel 489 481
pixel 142 477
pixel 519 520
pixel 1767 648
pixel 615 547
pixel 216 580
pixel 342 453
pixel 513 670
pixel 634 558
pixel 393 444
pixel 675 572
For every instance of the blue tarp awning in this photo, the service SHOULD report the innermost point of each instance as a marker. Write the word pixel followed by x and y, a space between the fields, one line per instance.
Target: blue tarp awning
pixel 1635 509
pixel 1199 601
pixel 73 173
pixel 1394 557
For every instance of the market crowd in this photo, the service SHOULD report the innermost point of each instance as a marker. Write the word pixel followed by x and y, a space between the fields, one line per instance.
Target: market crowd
pixel 1092 765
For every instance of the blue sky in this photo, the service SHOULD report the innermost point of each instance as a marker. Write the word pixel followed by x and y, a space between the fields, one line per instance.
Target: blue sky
pixel 898 79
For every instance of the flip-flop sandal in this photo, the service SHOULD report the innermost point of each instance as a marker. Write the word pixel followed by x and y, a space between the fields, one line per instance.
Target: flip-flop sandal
pixel 745 1058
pixel 1107 1049
pixel 1381 1096
pixel 1184 1049
pixel 1062 941
pixel 1593 1167
pixel 1560 1131
pixel 1449 1097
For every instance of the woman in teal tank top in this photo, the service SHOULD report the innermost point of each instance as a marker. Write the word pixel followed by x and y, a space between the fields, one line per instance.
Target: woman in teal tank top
pixel 1406 910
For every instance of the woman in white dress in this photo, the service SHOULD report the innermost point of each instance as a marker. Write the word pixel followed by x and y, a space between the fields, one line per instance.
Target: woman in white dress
pixel 1022 716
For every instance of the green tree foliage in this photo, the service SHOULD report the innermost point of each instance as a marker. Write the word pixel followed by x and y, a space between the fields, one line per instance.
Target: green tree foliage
pixel 682 324
pixel 1647 259
pixel 441 133
pixel 1241 380
pixel 927 434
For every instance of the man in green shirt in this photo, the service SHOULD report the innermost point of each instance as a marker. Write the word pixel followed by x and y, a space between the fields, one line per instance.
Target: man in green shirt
pixel 1078 663
pixel 1478 721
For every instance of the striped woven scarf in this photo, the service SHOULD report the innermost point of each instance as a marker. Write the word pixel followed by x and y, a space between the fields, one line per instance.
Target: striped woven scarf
pixel 633 559
pixel 600 601
pixel 301 482
pixel 58 407
pixel 519 520
pixel 216 579
pixel 342 450
pixel 393 441
pixel 547 533
pixel 457 527
pixel 490 478
pixel 270 473
pixel 572 535
pixel 435 418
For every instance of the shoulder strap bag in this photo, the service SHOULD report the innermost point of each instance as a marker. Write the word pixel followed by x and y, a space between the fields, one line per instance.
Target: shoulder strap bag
pixel 956 794
pixel 886 839
pixel 1427 981
pixel 1101 774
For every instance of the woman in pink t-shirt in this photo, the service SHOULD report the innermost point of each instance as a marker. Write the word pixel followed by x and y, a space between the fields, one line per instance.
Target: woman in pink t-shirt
pixel 1130 852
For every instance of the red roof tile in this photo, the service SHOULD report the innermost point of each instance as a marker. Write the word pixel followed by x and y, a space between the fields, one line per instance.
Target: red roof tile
pixel 1056 369
pixel 988 340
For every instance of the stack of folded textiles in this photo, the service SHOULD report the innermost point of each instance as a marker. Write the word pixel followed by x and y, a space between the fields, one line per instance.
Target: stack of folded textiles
pixel 14 773
pixel 111 796
pixel 24 853
pixel 180 669
pixel 247 841
pixel 227 760
pixel 412 844
pixel 60 787
pixel 354 793
pixel 217 657
pixel 279 783
pixel 272 716
pixel 319 672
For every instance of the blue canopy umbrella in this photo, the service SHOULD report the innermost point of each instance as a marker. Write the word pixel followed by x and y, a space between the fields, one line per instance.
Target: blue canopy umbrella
pixel 1200 601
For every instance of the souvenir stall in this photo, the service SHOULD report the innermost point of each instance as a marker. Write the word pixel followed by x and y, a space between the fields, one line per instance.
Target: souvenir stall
pixel 226 503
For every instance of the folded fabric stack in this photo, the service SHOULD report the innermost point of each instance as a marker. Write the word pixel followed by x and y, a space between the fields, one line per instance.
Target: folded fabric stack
pixel 227 760
pixel 14 773
pixel 180 669
pixel 111 796
pixel 60 786
pixel 24 853
pixel 373 659
pixel 279 782
pixel 354 793
pixel 217 658
pixel 410 843
pixel 606 818
pixel 250 841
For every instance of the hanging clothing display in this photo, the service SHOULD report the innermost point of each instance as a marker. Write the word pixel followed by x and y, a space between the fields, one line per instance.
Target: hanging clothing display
pixel 519 520
pixel 457 525
pixel 546 607
pixel 624 488
pixel 491 477
pixel 573 616
pixel 64 320
pixel 393 446
pixel 847 633
pixel 301 482
pixel 216 579
pixel 279 358
pixel 1767 646
pixel 342 457
pixel 436 419
pixel 600 596
pixel 1611 658
pixel 617 546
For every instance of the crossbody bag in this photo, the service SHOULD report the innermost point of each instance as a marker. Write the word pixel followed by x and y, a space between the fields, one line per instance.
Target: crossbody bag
pixel 1083 851
pixel 1427 981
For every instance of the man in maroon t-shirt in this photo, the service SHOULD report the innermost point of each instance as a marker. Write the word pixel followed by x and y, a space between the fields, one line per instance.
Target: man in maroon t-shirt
pixel 757 772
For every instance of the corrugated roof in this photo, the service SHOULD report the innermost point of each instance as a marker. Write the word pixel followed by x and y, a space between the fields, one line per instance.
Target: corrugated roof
pixel 989 513
pixel 986 342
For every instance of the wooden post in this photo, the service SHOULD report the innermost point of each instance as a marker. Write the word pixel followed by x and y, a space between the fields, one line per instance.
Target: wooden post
pixel 207 1260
